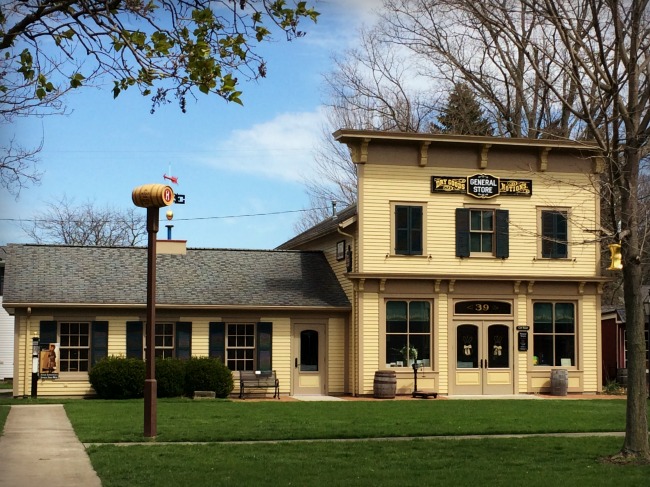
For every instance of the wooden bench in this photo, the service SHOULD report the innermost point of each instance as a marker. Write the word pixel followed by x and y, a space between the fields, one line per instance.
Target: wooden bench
pixel 255 379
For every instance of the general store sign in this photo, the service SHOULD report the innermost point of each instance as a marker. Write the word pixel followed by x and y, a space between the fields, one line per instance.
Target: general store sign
pixel 481 186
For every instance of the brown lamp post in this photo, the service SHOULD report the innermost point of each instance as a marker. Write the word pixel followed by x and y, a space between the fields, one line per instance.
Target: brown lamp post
pixel 152 197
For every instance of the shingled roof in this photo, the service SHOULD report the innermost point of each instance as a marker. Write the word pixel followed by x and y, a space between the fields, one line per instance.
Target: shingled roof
pixel 56 274
pixel 321 229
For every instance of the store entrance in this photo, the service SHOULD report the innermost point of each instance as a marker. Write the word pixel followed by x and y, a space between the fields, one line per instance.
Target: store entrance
pixel 483 358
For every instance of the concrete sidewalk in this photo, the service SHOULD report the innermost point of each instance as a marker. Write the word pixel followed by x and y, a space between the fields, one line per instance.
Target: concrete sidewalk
pixel 39 447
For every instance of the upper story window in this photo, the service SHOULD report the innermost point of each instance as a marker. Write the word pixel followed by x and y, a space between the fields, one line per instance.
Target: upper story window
pixel 482 231
pixel 408 230
pixel 554 234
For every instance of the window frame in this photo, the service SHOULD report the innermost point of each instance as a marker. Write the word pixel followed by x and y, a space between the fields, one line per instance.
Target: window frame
pixel 409 250
pixel 500 232
pixel 553 239
pixel 408 333
pixel 246 349
pixel 95 348
pixel 555 335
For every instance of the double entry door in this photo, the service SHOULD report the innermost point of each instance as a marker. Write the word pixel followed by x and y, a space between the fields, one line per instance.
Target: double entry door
pixel 483 358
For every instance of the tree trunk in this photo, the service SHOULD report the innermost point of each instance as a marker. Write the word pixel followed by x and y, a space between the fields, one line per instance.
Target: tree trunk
pixel 636 424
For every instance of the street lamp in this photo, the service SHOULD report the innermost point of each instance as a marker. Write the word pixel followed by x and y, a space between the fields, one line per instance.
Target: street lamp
pixel 152 197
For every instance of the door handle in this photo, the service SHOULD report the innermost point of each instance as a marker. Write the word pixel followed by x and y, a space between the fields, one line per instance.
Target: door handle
pixel 296 362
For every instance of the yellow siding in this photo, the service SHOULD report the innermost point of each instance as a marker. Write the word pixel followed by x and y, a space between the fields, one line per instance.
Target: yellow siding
pixel 521 367
pixel 441 328
pixel 574 191
pixel 281 351
pixel 369 332
pixel 590 346
pixel 336 356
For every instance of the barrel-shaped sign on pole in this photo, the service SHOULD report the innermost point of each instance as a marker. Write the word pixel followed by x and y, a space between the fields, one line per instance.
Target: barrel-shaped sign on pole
pixel 153 196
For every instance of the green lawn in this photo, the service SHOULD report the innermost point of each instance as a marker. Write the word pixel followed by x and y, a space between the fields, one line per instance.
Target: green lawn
pixel 187 420
pixel 530 461
pixel 489 462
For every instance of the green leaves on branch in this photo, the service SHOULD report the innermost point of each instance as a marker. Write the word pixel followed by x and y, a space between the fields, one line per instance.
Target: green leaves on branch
pixel 180 51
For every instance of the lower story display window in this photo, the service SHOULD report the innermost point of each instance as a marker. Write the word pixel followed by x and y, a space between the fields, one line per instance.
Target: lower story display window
pixel 554 334
pixel 408 333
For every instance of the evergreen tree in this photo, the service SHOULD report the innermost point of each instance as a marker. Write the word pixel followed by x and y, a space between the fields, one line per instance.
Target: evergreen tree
pixel 463 114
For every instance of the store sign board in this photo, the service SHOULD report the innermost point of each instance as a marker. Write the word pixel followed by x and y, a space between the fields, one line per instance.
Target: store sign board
pixel 482 186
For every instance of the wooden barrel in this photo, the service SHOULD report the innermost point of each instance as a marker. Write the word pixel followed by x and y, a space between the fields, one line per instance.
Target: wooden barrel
pixel 621 377
pixel 385 384
pixel 559 382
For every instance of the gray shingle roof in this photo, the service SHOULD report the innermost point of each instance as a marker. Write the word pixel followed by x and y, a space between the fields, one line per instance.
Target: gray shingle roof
pixel 202 277
pixel 323 228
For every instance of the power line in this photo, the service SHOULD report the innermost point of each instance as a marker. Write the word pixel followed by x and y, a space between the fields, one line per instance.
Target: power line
pixel 177 219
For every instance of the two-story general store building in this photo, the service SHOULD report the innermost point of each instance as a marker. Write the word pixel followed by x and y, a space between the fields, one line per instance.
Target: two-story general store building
pixel 474 257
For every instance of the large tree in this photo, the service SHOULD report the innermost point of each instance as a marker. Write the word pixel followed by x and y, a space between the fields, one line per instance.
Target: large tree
pixel 166 49
pixel 574 68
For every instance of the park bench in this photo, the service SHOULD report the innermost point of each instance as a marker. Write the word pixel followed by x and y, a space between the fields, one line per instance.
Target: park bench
pixel 255 379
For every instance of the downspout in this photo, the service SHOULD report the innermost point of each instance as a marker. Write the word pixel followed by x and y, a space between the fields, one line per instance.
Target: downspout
pixel 355 323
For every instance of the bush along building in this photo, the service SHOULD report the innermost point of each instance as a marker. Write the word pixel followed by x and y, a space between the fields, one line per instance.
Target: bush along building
pixel 475 258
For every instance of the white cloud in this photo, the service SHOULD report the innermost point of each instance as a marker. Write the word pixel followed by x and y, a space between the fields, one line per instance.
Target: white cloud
pixel 281 148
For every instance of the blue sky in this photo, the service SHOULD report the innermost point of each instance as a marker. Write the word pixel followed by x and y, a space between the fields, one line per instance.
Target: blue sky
pixel 230 160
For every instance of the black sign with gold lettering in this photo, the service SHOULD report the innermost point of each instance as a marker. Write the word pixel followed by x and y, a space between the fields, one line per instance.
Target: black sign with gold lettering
pixel 515 187
pixel 448 184
pixel 482 307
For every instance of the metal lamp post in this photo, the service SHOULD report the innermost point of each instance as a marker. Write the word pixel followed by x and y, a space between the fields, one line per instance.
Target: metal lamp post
pixel 152 197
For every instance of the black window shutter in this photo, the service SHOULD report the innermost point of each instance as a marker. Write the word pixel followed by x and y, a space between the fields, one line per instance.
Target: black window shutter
pixel 264 345
pixel 183 340
pixel 462 232
pixel 264 342
pixel 217 340
pixel 416 230
pixel 98 341
pixel 48 332
pixel 134 339
pixel 401 230
pixel 502 235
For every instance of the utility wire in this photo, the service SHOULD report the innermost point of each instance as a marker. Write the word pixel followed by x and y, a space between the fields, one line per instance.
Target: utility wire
pixel 180 219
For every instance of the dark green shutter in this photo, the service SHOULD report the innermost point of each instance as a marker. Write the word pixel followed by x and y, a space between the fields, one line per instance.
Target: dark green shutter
pixel 134 339
pixel 502 250
pixel 415 244
pixel 217 341
pixel 98 341
pixel 462 232
pixel 264 345
pixel 401 230
pixel 48 332
pixel 183 340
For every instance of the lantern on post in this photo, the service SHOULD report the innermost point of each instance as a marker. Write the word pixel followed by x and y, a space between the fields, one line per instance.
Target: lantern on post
pixel 152 197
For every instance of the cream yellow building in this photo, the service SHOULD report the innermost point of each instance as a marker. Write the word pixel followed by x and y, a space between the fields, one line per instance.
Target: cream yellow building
pixel 474 257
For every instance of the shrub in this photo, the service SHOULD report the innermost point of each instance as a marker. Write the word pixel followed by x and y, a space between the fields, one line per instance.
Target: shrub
pixel 207 374
pixel 118 378
pixel 170 377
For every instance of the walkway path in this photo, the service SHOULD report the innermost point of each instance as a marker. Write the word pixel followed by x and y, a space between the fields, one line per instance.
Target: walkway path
pixel 39 447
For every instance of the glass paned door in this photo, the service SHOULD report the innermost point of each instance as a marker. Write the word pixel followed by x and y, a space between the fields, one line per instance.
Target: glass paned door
pixel 483 359
pixel 309 364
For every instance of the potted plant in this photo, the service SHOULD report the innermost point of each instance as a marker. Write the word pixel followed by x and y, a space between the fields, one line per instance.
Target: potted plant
pixel 410 354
